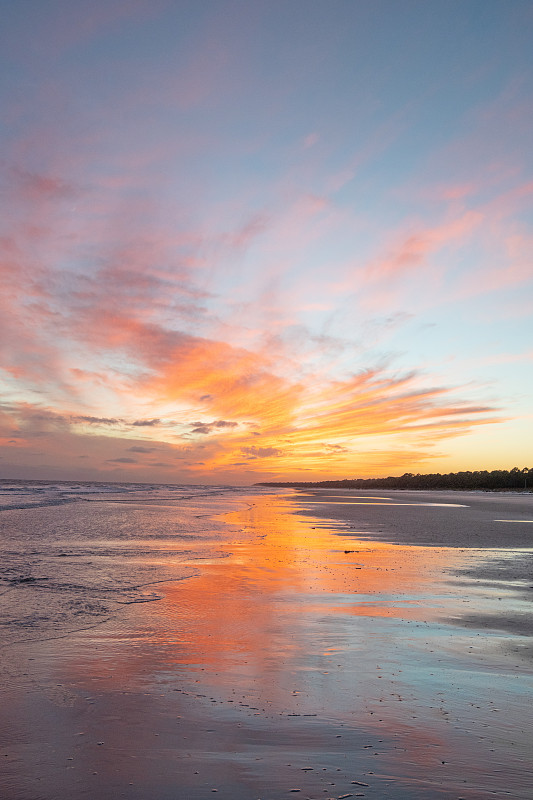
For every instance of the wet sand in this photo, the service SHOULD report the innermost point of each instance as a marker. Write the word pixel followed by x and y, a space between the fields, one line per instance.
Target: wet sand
pixel 333 648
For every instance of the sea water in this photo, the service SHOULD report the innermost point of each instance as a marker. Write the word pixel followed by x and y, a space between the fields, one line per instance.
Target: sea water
pixel 72 555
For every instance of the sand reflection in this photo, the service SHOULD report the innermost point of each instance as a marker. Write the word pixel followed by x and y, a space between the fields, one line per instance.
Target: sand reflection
pixel 300 657
pixel 255 600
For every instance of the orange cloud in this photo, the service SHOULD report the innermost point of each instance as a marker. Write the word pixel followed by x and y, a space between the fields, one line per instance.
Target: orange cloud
pixel 291 416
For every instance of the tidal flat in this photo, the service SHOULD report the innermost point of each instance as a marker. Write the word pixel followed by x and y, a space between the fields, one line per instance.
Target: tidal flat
pixel 165 642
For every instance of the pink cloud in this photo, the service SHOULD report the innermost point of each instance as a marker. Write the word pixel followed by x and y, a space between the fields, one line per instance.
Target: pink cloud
pixel 412 252
pixel 311 139
pixel 458 191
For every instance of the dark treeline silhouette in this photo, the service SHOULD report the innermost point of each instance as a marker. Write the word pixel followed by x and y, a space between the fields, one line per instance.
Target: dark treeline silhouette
pixel 497 480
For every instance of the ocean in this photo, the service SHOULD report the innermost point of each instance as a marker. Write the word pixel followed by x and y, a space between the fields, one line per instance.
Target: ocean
pixel 73 555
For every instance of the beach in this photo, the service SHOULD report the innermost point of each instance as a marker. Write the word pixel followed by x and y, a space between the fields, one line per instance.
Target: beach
pixel 259 644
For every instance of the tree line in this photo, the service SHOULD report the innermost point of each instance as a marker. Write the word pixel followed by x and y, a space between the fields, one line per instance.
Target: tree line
pixel 498 480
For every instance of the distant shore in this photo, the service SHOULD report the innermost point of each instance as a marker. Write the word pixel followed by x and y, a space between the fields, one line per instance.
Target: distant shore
pixel 501 480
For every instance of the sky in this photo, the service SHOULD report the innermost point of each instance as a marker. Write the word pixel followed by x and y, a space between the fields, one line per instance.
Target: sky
pixel 262 240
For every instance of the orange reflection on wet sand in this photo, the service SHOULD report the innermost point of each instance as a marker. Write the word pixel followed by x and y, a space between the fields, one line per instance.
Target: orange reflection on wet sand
pixel 248 602
pixel 253 604
pixel 298 646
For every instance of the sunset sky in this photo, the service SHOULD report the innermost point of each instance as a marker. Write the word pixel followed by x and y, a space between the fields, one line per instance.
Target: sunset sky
pixel 265 240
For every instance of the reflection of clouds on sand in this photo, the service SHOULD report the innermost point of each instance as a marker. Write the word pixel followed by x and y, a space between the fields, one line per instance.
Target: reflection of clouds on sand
pixel 299 643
